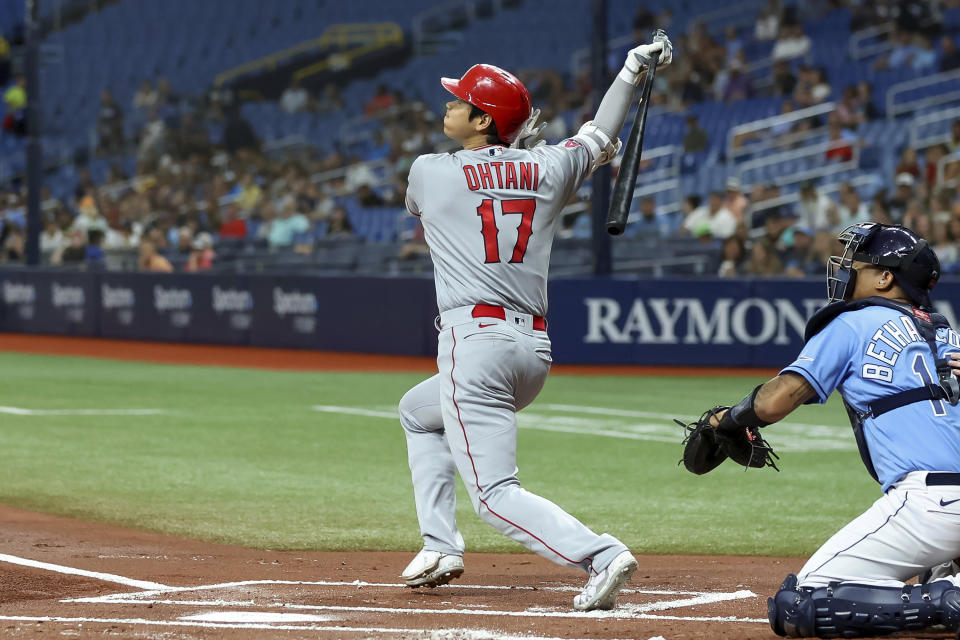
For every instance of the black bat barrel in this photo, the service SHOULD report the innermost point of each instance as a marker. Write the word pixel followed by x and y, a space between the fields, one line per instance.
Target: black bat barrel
pixel 630 164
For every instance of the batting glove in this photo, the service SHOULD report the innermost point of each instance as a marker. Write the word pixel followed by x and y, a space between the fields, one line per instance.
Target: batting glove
pixel 529 135
pixel 641 57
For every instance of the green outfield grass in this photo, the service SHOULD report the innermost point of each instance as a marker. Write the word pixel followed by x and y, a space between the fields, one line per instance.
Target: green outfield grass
pixel 241 456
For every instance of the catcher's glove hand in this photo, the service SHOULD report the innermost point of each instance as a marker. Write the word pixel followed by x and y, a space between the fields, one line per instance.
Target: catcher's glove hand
pixel 711 440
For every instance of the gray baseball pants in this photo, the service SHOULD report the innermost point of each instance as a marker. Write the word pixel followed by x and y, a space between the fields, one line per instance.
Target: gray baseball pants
pixel 464 419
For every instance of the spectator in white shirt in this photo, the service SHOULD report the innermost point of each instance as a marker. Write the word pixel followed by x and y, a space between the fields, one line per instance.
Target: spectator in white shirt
pixel 851 210
pixel 768 22
pixel 294 98
pixel 813 208
pixel 792 43
pixel 711 219
pixel 52 237
pixel 734 201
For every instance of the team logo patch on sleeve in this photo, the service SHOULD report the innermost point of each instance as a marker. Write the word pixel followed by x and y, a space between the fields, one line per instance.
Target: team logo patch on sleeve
pixel 570 144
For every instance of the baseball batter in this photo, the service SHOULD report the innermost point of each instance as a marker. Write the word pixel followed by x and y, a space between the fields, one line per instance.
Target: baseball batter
pixel 892 359
pixel 490 213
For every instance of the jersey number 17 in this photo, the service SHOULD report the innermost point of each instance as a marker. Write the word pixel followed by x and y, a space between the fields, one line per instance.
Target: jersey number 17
pixel 524 208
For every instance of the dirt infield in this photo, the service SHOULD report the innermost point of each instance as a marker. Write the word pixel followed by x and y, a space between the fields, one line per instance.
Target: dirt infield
pixel 300 359
pixel 146 585
pixel 65 578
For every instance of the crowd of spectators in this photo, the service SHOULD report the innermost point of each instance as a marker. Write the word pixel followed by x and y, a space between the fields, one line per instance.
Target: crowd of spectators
pixel 189 191
pixel 764 234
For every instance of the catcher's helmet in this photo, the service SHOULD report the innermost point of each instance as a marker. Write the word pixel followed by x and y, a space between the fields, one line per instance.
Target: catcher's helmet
pixel 913 263
pixel 496 92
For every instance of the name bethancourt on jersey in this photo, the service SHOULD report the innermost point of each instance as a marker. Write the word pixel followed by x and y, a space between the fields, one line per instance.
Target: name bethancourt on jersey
pixel 890 339
pixel 503 175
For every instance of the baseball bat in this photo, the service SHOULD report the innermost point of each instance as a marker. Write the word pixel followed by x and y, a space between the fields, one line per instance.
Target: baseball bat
pixel 627 178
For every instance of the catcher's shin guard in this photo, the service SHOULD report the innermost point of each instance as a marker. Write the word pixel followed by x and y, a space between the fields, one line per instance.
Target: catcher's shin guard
pixel 851 610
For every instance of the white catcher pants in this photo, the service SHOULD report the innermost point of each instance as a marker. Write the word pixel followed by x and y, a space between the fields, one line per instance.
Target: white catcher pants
pixel 910 529
pixel 464 419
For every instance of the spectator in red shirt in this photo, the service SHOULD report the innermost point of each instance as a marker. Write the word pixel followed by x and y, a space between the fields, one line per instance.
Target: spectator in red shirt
pixel 841 141
pixel 382 100
pixel 908 163
pixel 201 254
pixel 233 225
pixel 932 158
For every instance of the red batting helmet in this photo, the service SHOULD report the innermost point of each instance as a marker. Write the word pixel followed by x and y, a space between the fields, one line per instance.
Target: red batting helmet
pixel 497 92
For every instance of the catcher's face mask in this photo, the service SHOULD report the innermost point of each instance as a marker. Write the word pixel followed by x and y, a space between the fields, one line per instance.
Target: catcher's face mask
pixel 841 276
pixel 906 255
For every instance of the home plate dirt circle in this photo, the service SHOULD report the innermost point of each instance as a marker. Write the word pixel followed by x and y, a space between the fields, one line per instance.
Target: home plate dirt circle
pixel 66 578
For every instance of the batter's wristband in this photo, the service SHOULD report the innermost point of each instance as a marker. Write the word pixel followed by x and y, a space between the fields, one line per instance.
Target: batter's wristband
pixel 629 76
pixel 743 413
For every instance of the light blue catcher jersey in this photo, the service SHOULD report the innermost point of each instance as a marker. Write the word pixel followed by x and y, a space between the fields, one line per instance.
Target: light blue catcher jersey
pixel 875 352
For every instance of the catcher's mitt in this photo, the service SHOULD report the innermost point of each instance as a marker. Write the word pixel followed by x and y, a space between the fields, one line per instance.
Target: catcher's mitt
pixel 707 445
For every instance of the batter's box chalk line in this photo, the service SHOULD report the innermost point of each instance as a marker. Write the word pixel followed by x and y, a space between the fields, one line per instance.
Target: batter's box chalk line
pixel 174 596
pixel 155 593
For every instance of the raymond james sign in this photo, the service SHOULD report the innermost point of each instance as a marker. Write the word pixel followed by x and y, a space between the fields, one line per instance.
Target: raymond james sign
pixel 690 322
pixel 687 321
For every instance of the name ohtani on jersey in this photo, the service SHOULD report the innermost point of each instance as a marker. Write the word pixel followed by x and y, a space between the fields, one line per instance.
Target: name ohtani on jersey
pixel 502 175
pixel 489 217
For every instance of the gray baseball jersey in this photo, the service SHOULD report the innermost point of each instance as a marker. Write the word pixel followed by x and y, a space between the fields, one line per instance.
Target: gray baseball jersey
pixel 489 217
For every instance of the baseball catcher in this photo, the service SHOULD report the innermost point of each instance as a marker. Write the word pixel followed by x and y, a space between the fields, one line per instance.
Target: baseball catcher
pixel 894 362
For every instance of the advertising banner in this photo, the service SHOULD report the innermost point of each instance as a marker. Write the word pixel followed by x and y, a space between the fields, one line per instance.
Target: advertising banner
pixel 719 322
pixel 42 302
pixel 145 306
pixel 693 322
pixel 223 309
pixel 365 315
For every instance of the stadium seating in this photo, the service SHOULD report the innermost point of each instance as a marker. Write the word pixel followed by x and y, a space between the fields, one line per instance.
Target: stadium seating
pixel 129 41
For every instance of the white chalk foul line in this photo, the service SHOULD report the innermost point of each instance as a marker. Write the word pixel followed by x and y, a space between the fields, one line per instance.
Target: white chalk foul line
pixel 255 616
pixel 624 611
pixel 106 577
pixel 452 633
pixel 248 617
pixel 706 598
pixel 18 411
pixel 359 585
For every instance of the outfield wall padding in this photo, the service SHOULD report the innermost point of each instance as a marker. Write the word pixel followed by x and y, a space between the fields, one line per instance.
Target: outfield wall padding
pixel 700 322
